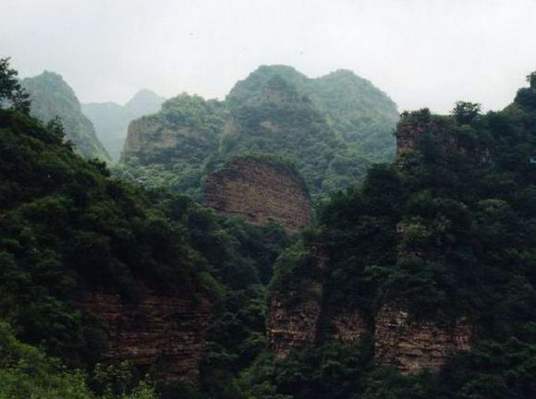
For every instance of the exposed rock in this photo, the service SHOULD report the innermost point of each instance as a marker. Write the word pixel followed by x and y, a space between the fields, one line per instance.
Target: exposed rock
pixel 348 326
pixel 412 346
pixel 261 191
pixel 293 324
pixel 417 126
pixel 111 120
pixel 162 331
pixel 300 318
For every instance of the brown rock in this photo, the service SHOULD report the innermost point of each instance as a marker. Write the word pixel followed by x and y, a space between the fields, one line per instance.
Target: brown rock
pixel 412 346
pixel 166 331
pixel 261 191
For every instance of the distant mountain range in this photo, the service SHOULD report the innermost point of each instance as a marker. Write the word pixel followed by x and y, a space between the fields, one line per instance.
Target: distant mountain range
pixel 111 120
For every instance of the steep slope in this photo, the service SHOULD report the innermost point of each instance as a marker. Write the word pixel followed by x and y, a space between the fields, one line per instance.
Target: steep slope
pixel 428 269
pixel 355 109
pixel 262 191
pixel 270 116
pixel 93 269
pixel 277 111
pixel 52 97
pixel 111 120
pixel 363 115
pixel 172 147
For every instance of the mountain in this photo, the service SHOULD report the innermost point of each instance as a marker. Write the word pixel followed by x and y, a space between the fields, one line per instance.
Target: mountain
pixel 52 97
pixel 419 283
pixel 100 277
pixel 276 111
pixel 359 112
pixel 426 272
pixel 111 120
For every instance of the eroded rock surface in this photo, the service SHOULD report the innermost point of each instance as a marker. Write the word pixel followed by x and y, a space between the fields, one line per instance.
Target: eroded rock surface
pixel 412 346
pixel 163 331
pixel 261 191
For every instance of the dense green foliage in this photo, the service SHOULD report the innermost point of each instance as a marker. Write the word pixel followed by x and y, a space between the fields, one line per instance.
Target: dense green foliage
pixel 358 112
pixel 27 372
pixel 447 231
pixel 111 120
pixel 51 97
pixel 196 127
pixel 68 227
pixel 331 128
pixel 12 95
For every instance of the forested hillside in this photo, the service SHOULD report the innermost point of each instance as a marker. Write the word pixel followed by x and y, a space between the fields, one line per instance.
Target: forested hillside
pixel 69 232
pixel 52 97
pixel 330 128
pixel 418 283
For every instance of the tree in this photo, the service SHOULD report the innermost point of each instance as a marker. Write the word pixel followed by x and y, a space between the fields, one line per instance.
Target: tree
pixel 531 78
pixel 465 112
pixel 12 95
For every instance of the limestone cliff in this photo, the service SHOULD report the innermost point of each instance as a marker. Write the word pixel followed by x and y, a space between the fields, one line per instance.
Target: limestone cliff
pixel 111 120
pixel 261 191
pixel 413 345
pixel 163 332
pixel 300 317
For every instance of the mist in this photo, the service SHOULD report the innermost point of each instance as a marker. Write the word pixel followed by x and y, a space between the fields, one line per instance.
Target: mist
pixel 419 52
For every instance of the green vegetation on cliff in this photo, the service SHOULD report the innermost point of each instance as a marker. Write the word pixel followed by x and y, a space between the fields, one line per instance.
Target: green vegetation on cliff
pixel 68 228
pixel 447 231
pixel 331 128
pixel 171 148
pixel 52 97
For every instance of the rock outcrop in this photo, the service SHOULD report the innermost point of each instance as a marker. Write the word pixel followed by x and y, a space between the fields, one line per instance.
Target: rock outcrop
pixel 163 332
pixel 300 317
pixel 411 345
pixel 111 120
pixel 261 191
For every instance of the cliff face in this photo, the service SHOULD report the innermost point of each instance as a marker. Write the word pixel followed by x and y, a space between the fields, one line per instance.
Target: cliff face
pixel 147 138
pixel 166 332
pixel 111 120
pixel 415 128
pixel 301 317
pixel 261 191
pixel 331 127
pixel 412 346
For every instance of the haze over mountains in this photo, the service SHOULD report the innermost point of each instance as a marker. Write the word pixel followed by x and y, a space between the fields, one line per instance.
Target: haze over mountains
pixel 111 119
pixel 331 128
pixel 52 97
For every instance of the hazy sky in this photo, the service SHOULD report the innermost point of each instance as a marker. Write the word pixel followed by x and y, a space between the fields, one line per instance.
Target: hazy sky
pixel 421 52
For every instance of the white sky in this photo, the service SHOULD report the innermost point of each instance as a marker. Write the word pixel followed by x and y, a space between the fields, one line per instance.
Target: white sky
pixel 421 52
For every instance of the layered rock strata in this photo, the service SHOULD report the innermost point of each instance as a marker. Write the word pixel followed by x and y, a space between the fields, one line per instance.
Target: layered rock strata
pixel 261 191
pixel 412 345
pixel 164 332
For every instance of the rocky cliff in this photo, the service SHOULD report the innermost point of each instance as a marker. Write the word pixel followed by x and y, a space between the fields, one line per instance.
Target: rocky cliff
pixel 261 191
pixel 302 317
pixel 111 120
pixel 165 333
pixel 331 128
pixel 412 345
